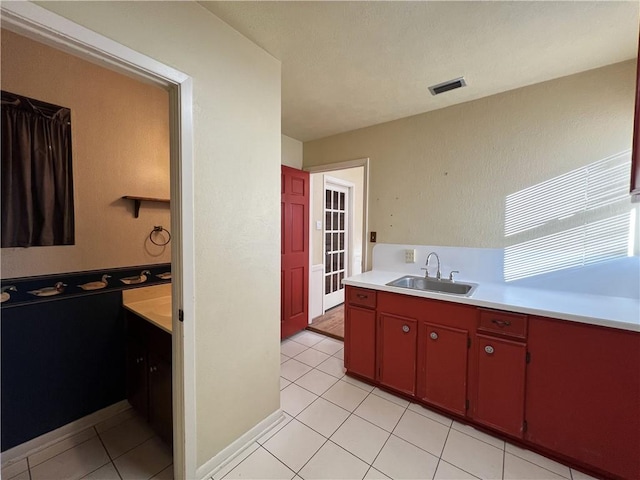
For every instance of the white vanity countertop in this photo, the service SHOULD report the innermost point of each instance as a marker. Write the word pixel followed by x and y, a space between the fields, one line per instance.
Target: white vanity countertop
pixel 616 312
pixel 151 303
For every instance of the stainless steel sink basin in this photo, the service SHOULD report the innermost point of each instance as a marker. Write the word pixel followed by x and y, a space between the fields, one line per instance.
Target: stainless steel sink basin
pixel 433 285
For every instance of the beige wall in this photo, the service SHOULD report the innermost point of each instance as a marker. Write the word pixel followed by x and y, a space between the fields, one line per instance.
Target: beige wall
pixel 353 175
pixel 441 178
pixel 120 135
pixel 236 112
pixel 291 152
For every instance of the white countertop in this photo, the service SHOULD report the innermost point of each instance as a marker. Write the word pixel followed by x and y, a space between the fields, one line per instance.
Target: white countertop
pixel 151 303
pixel 616 312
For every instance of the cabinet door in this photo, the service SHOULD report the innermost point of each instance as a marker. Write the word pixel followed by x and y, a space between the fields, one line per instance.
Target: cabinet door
pixel 137 390
pixel 442 359
pixel 397 342
pixel 360 341
pixel 160 409
pixel 500 370
pixel 583 394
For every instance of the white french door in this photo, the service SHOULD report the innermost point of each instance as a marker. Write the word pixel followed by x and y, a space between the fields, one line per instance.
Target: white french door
pixel 336 242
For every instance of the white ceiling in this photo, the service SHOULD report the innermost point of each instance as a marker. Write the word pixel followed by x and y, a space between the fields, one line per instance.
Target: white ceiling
pixel 348 65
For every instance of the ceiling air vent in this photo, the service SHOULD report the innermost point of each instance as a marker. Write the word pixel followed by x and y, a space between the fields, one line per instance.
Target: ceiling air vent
pixel 448 85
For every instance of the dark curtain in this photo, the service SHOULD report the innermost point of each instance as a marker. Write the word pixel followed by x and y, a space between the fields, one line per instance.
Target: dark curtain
pixel 37 180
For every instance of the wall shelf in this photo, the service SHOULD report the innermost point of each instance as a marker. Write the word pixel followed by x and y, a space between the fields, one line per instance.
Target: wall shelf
pixel 138 200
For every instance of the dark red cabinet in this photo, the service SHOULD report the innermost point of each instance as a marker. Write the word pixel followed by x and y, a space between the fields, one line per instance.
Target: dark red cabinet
pixel 442 366
pixel 360 341
pixel 397 343
pixel 498 400
pixel 583 394
pixel 565 389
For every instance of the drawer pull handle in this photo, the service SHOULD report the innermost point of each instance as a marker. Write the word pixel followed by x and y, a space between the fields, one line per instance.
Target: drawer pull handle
pixel 405 328
pixel 433 335
pixel 501 323
pixel 489 349
pixel 360 295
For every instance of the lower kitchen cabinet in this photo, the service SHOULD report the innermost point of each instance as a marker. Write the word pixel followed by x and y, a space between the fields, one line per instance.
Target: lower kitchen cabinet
pixel 583 394
pixel 397 344
pixel 149 379
pixel 360 341
pixel 566 389
pixel 442 366
pixel 499 384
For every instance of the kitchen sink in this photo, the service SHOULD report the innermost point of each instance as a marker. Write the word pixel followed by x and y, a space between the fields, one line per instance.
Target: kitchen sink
pixel 433 285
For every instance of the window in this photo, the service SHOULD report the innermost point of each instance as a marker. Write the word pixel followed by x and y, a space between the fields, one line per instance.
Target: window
pixel 579 218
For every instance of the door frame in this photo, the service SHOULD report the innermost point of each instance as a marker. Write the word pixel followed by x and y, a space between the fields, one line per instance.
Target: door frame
pixel 332 167
pixel 39 24
pixel 350 209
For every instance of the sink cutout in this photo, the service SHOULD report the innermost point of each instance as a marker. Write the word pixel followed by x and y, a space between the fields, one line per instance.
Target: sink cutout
pixel 412 282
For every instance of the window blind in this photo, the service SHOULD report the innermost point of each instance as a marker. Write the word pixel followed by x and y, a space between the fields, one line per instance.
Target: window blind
pixel 581 217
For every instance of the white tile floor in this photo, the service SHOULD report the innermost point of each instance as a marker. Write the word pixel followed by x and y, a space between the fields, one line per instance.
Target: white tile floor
pixel 121 448
pixel 336 427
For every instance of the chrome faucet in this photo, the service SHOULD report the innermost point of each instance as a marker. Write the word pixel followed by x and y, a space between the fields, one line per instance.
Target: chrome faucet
pixel 426 266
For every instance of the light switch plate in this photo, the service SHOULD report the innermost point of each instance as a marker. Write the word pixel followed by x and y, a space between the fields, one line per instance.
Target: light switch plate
pixel 318 224
pixel 410 255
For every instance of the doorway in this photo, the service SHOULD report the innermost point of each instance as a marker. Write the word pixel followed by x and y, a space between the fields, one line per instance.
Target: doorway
pixel 338 247
pixel 43 26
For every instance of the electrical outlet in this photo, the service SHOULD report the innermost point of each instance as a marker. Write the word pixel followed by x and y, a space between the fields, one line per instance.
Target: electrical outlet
pixel 410 255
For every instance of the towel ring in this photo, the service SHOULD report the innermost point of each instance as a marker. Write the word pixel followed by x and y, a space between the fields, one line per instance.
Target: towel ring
pixel 156 230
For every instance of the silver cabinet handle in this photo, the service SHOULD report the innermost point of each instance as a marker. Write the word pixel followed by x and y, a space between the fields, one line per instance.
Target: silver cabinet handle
pixel 433 335
pixel 489 349
pixel 405 328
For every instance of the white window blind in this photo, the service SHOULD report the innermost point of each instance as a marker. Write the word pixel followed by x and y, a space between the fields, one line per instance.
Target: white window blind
pixel 578 218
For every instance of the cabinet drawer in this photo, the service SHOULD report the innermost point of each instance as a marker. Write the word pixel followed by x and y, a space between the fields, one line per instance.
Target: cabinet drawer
pixel 504 323
pixel 362 297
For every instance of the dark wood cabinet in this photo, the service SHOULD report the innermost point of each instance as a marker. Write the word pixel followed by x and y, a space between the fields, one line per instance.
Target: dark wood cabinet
pixel 137 376
pixel 442 366
pixel 635 153
pixel 149 376
pixel 397 344
pixel 360 332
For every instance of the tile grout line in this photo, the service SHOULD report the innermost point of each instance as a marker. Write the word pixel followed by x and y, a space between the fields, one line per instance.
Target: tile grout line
pixel 387 440
pixel 63 451
pixel 442 451
pixel 504 459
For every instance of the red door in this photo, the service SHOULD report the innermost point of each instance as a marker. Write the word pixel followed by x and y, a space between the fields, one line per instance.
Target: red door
pixel 500 369
pixel 442 377
pixel 397 339
pixel 360 341
pixel 294 251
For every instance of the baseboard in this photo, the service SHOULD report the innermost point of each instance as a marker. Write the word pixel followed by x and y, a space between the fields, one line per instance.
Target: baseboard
pixel 232 451
pixel 34 445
